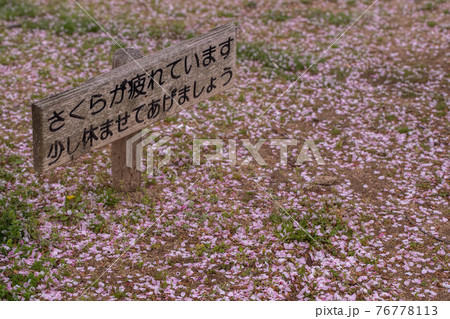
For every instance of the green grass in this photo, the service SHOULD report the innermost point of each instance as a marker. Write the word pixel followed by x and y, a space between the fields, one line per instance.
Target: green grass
pixel 275 15
pixel 391 118
pixel 285 64
pixel 424 185
pixel 445 193
pixel 220 248
pixel 340 74
pixel 5 294
pixel 409 94
pixel 156 31
pixel 98 225
pixel 328 17
pixel 107 196
pixel 335 131
pixel 63 21
pixel 248 196
pixel 24 286
pixel 223 14
pixel 75 204
pixel 13 161
pixel 119 294
pixel 169 29
pixel 250 4
pixel 18 219
pixel 403 129
pixel 177 27
pixel 18 280
pixel 430 6
pixel 441 106
pixel 76 23
pixel 10 10
pixel 292 226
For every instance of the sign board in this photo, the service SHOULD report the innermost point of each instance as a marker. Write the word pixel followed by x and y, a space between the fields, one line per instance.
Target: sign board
pixel 129 98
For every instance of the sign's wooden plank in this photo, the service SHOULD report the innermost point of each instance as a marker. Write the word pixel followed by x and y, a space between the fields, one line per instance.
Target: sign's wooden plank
pixel 131 97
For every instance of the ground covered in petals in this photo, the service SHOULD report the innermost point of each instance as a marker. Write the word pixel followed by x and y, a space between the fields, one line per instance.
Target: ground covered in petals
pixel 370 224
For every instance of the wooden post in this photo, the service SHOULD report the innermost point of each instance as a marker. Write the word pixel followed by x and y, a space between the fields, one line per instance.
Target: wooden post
pixel 124 178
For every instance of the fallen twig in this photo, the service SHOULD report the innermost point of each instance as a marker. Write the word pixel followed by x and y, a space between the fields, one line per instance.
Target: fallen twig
pixel 425 232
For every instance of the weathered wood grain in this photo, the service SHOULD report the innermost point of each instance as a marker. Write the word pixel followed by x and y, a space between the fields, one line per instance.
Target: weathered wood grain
pixel 124 178
pixel 57 142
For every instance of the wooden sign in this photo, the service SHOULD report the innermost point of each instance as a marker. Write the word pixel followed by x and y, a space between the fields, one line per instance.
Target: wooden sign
pixel 130 97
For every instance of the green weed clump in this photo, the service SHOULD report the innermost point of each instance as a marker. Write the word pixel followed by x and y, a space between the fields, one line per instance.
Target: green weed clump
pixel 18 219
pixel 314 227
